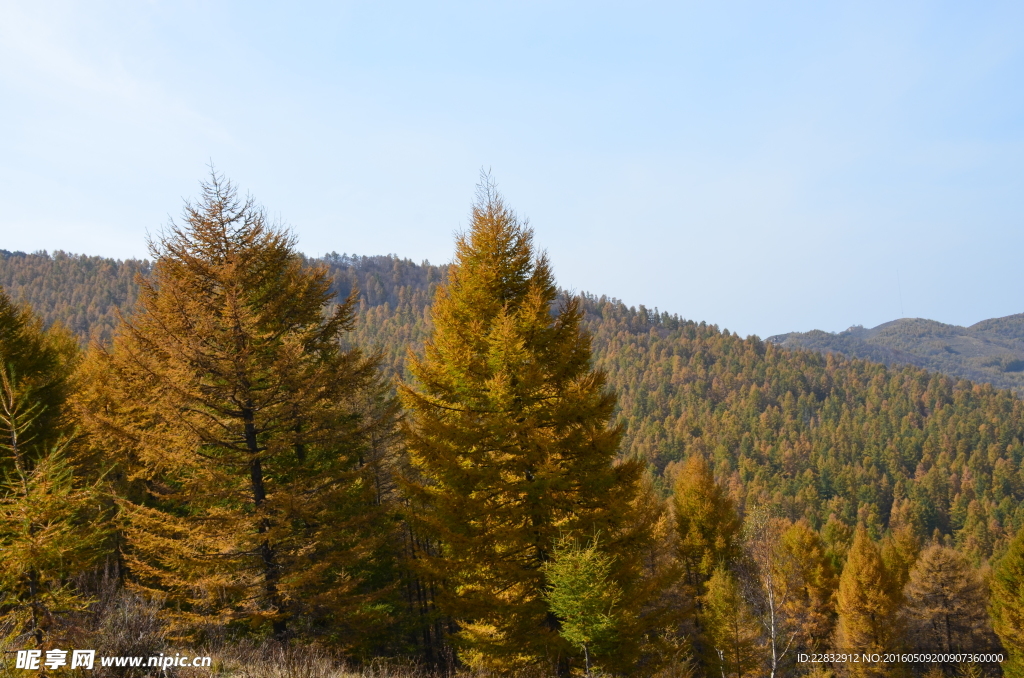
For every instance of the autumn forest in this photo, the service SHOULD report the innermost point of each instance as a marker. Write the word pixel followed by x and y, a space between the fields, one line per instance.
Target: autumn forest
pixel 466 470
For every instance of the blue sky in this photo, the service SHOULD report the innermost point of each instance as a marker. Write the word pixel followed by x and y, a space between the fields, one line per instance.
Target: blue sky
pixel 767 167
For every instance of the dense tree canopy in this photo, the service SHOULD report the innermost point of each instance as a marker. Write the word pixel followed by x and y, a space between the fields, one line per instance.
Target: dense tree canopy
pixel 744 501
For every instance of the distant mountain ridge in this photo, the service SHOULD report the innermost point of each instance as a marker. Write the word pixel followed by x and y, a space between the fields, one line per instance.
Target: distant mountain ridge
pixel 990 351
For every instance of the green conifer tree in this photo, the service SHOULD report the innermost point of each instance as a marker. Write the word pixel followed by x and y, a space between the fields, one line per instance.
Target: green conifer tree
pixel 1006 605
pixel 511 447
pixel 707 522
pixel 731 629
pixel 40 365
pixel 581 594
pixel 51 526
pixel 899 550
pixel 229 396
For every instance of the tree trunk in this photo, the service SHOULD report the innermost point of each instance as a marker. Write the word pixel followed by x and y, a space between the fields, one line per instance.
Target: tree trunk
pixel 267 555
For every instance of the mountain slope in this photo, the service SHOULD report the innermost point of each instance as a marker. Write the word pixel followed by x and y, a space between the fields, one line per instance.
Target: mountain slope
pixel 83 293
pixel 990 351
pixel 813 434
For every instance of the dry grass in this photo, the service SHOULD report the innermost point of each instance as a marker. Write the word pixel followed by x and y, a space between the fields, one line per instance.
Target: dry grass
pixel 121 623
pixel 272 660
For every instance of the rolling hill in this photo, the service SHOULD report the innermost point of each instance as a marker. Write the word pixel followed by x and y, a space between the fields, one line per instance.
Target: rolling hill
pixel 990 351
pixel 813 433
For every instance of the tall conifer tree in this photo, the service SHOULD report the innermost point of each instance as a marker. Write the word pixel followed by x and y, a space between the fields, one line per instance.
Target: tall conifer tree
pixel 899 550
pixel 51 526
pixel 510 444
pixel 865 603
pixel 40 365
pixel 731 630
pixel 809 573
pixel 945 604
pixel 230 398
pixel 708 525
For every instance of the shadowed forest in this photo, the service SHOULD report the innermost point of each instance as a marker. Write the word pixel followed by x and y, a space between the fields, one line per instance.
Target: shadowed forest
pixel 363 464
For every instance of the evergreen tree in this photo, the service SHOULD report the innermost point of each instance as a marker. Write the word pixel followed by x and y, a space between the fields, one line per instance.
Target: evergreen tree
pixel 229 396
pixel 708 536
pixel 511 447
pixel 40 366
pixel 655 624
pixel 51 528
pixel 837 536
pixel 945 604
pixel 1006 605
pixel 581 594
pixel 900 549
pixel 731 629
pixel 708 525
pixel 865 604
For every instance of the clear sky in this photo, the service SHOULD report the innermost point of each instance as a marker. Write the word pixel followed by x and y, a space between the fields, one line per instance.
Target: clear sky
pixel 765 166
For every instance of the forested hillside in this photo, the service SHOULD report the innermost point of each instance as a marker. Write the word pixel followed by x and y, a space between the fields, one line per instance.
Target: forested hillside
pixel 816 435
pixel 991 351
pixel 748 501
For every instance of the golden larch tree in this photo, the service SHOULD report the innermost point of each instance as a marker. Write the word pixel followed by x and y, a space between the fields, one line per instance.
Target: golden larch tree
pixel 865 604
pixel 732 632
pixel 245 427
pixel 811 581
pixel 707 522
pixel 511 447
pixel 52 526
